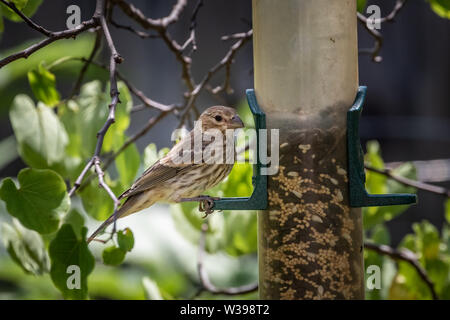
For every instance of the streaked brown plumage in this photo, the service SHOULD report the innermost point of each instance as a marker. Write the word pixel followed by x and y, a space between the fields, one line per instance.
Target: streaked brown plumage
pixel 171 181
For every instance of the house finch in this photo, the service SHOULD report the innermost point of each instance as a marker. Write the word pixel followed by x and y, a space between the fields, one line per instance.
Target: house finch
pixel 171 180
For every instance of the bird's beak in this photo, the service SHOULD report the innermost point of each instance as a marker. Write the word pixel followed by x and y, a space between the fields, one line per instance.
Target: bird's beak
pixel 236 122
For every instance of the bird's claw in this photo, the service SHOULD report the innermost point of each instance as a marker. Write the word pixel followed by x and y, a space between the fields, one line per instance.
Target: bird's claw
pixel 206 204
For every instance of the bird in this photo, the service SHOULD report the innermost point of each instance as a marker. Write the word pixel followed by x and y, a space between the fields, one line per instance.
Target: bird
pixel 173 181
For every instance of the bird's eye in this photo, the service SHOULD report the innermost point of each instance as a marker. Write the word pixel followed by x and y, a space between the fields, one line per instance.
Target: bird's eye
pixel 218 118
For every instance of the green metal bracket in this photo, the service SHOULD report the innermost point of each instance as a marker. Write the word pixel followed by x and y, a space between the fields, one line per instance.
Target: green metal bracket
pixel 357 177
pixel 258 199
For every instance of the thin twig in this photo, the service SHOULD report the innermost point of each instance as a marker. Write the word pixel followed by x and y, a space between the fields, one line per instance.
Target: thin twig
pixel 407 256
pixel 409 182
pixel 115 58
pixel 95 48
pixel 141 34
pixel 192 36
pixel 51 36
pixel 27 20
pixel 150 123
pixel 150 103
pixel 226 62
pixel 160 26
pixel 378 38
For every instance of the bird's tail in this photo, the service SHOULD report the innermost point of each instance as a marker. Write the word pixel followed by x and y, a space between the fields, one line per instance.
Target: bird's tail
pixel 118 214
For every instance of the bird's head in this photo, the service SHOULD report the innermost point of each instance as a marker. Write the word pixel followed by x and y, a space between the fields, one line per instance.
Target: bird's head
pixel 220 117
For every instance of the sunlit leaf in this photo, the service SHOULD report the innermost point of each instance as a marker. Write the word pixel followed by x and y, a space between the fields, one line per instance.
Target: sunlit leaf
pixel 91 115
pixel 40 202
pixel 41 136
pixel 151 154
pixel 28 8
pixel 441 7
pixel 25 247
pixel 125 239
pixel 122 118
pixel 20 4
pixel 113 256
pixel 43 85
pixel 377 183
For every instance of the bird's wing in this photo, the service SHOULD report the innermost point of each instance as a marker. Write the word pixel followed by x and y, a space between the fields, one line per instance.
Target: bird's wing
pixel 153 176
pixel 164 169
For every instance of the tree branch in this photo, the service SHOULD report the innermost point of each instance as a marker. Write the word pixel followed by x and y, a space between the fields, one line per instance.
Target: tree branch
pixel 226 62
pixel 407 256
pixel 27 20
pixel 412 183
pixel 70 33
pixel 378 38
pixel 192 35
pixel 115 58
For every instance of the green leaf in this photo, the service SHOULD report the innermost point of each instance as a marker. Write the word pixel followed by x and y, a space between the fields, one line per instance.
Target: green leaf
pixel 76 220
pixel 41 136
pixel 427 240
pixel 20 4
pixel 433 257
pixel 377 183
pixel 26 248
pixel 88 113
pixel 96 201
pixel 113 256
pixel 43 85
pixel 241 233
pixel 441 7
pixel 127 162
pixel 40 202
pixel 91 115
pixel 125 239
pixel 28 8
pixel 66 252
pixel 151 154
pixel 361 5
pixel 380 234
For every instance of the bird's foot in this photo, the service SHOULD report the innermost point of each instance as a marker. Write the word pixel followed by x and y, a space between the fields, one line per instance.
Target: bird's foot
pixel 206 203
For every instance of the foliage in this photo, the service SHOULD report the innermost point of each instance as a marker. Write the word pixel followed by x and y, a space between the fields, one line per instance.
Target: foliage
pixel 44 231
pixel 28 7
pixel 380 184
pixel 67 250
pixel 441 7
pixel 40 202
